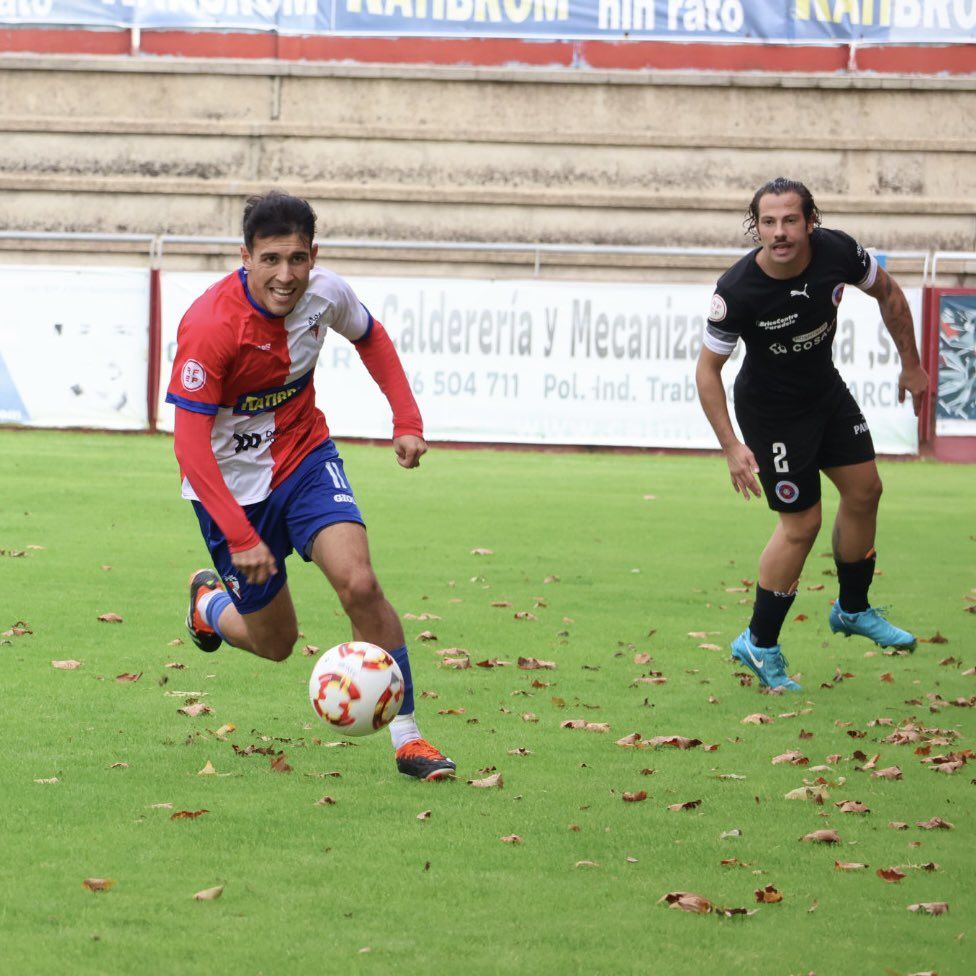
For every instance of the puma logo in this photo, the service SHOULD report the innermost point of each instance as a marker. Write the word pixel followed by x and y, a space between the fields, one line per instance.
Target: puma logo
pixel 795 294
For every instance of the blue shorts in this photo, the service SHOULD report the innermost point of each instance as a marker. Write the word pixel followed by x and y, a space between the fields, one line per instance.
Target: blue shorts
pixel 314 495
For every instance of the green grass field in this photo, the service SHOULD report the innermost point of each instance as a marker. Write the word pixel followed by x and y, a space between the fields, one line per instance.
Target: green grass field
pixel 646 549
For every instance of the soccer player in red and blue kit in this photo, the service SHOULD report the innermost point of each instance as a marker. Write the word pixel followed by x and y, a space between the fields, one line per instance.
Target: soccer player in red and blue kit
pixel 796 414
pixel 257 460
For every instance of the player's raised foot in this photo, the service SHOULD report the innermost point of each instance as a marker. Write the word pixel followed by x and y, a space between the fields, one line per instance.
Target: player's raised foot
pixel 421 760
pixel 203 635
pixel 870 623
pixel 766 663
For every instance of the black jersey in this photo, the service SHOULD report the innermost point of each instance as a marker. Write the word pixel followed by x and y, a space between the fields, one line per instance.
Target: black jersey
pixel 787 325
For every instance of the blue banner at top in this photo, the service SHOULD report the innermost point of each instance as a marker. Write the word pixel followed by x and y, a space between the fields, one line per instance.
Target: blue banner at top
pixel 804 21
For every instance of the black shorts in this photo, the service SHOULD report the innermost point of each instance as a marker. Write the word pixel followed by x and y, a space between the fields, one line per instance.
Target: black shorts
pixel 791 449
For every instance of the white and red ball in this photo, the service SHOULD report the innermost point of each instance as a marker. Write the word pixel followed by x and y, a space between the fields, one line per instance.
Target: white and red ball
pixel 356 687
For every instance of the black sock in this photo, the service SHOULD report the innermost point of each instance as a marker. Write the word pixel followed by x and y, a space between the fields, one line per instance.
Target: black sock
pixel 768 615
pixel 854 580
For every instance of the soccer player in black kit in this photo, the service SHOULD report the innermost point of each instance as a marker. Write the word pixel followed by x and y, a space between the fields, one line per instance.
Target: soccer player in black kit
pixel 796 414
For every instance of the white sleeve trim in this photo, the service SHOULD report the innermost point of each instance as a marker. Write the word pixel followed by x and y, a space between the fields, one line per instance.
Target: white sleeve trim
pixel 868 280
pixel 721 347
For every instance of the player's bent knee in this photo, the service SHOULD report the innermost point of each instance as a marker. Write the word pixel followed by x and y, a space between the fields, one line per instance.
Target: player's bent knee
pixel 278 651
pixel 360 589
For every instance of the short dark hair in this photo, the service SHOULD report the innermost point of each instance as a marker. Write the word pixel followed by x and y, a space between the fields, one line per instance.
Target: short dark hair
pixel 778 187
pixel 277 214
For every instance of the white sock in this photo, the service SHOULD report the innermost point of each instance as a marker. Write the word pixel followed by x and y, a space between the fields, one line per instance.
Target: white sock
pixel 204 600
pixel 403 729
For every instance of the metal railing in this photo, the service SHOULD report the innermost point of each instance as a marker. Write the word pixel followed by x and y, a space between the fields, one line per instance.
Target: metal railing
pixel 156 244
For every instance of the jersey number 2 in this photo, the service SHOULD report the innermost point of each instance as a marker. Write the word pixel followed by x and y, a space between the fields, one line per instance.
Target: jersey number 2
pixel 780 464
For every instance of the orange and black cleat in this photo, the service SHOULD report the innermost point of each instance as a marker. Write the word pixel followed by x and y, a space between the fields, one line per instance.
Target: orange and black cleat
pixel 421 760
pixel 203 634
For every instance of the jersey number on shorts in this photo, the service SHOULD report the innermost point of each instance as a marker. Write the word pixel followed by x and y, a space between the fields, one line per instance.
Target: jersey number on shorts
pixel 780 464
pixel 336 474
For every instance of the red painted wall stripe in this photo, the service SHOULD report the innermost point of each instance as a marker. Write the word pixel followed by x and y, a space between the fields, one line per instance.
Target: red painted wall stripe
pixel 495 52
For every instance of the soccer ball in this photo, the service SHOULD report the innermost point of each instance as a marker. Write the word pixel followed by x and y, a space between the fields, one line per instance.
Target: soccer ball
pixel 356 687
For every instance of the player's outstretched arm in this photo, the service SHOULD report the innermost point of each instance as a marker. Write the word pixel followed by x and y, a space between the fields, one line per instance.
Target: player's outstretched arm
pixel 409 450
pixel 711 393
pixel 897 317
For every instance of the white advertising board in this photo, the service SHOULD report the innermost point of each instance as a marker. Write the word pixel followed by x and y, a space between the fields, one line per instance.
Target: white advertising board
pixel 536 362
pixel 74 347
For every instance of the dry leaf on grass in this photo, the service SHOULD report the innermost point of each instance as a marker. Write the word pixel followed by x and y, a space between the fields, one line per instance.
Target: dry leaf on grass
pixel 325 801
pixel 687 901
pixel 495 780
pixel 534 664
pixel 52 779
pixel 686 805
pixel 936 823
pixel 757 718
pixel 110 618
pixel 66 665
pixel 849 866
pixel 511 839
pixel 889 772
pixel 930 907
pixel 193 711
pixel 97 884
pixel 482 552
pixel 424 815
pixel 279 764
pixel 209 894
pixel 822 837
pixel 188 814
pixel 634 797
pixel 852 806
pixel 586 864
pixel 769 895
pixel 890 874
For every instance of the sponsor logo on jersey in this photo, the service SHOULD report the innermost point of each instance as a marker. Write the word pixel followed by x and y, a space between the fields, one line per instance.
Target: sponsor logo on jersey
pixel 343 498
pixel 249 404
pixel 778 349
pixel 802 292
pixel 193 376
pixel 861 428
pixel 780 323
pixel 718 309
pixel 837 294
pixel 233 585
pixel 787 492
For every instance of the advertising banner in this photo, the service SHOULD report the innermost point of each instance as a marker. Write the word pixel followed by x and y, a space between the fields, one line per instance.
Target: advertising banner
pixel 74 347
pixel 535 362
pixel 803 21
pixel 955 405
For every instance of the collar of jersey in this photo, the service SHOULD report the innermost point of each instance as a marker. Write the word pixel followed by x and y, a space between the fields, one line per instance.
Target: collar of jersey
pixel 242 274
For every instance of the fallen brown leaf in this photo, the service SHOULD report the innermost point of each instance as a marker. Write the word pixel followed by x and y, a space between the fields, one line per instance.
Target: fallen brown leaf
pixel 890 874
pixel 188 814
pixel 769 895
pixel 822 837
pixel 325 801
pixel 279 764
pixel 196 709
pixel 687 901
pixel 511 839
pixel 488 782
pixel 209 894
pixel 110 618
pixel 634 797
pixel 757 718
pixel 889 772
pixel 849 866
pixel 66 665
pixel 686 805
pixel 97 884
pixel 930 907
pixel 534 664
pixel 424 815
pixel 128 676
pixel 852 806
pixel 936 823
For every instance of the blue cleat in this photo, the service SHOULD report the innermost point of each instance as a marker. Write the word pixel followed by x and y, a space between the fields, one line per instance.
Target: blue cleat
pixel 870 623
pixel 766 663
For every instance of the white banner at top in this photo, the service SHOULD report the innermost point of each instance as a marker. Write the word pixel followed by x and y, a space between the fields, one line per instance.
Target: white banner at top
pixel 797 21
pixel 576 363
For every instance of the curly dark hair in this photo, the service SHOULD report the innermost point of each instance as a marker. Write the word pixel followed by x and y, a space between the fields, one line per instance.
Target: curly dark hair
pixel 778 187
pixel 277 214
